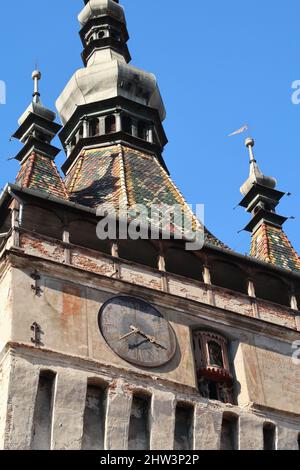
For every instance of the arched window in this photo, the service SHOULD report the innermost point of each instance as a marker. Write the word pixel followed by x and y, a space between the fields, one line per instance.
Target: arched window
pixel 110 124
pixel 101 34
pixel 127 124
pixel 142 130
pixel 229 276
pixel 94 127
pixel 215 380
pixel 185 264
pixel 272 288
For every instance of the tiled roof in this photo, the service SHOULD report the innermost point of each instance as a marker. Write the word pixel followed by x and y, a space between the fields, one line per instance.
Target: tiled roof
pixel 270 244
pixel 121 174
pixel 40 173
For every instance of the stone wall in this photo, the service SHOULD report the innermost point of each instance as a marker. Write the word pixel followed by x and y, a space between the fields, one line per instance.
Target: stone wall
pixel 133 413
pixel 105 265
pixel 67 312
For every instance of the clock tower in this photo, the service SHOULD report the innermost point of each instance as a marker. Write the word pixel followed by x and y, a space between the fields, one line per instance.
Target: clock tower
pixel 125 342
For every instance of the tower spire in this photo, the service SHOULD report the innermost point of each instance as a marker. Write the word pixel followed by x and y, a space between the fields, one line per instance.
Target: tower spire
pixel 269 242
pixel 109 100
pixel 36 131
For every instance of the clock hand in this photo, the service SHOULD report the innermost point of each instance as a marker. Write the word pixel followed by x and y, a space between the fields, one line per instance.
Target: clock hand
pixel 134 331
pixel 151 339
pixel 159 345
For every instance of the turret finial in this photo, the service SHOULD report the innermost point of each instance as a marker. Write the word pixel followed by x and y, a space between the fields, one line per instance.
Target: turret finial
pixel 36 76
pixel 256 176
pixel 249 142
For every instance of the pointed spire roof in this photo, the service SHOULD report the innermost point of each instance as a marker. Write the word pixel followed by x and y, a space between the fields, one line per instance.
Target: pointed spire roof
pixel 269 242
pixel 37 129
pixel 123 176
pixel 112 114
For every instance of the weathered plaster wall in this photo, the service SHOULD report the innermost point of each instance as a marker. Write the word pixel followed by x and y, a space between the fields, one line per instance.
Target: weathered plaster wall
pixel 101 264
pixel 70 401
pixel 67 312
pixel 68 315
pixel 5 371
pixel 5 307
pixel 272 379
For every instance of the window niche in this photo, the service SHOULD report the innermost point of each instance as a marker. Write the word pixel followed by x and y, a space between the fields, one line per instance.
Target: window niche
pixel 215 380
pixel 272 289
pixel 229 432
pixel 94 417
pixel 228 276
pixel 126 124
pixel 42 421
pixel 110 124
pixel 184 432
pixel 269 432
pixel 139 427
pixel 94 127
pixel 142 130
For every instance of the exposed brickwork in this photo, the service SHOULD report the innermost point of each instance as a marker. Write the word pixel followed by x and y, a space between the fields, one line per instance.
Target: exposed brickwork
pixel 46 249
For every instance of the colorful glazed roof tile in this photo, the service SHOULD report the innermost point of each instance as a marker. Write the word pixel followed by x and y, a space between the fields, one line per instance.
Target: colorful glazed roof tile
pixel 270 244
pixel 120 175
pixel 40 173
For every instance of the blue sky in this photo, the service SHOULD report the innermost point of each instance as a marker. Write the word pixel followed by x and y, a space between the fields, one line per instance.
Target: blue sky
pixel 219 65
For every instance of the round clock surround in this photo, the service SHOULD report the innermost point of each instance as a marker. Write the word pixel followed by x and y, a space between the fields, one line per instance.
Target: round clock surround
pixel 137 332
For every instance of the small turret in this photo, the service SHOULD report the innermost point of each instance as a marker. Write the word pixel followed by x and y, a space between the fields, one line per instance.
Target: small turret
pixel 37 127
pixel 37 130
pixel 269 242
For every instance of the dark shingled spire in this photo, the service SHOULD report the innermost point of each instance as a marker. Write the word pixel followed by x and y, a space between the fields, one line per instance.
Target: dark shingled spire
pixel 37 129
pixel 269 242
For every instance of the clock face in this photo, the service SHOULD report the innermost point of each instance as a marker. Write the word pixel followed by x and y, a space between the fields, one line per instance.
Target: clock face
pixel 137 332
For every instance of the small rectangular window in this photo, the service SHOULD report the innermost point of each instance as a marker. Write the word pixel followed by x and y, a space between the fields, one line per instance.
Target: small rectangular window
pixel 42 421
pixel 139 428
pixel 269 436
pixel 229 432
pixel 94 418
pixel 184 427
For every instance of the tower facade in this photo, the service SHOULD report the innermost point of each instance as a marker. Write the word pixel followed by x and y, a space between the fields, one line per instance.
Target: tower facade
pixel 135 343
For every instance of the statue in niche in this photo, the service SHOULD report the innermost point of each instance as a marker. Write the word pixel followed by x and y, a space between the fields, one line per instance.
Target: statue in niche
pixel 215 354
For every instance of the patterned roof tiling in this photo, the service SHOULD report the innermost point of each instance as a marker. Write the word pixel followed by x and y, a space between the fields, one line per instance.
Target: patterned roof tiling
pixel 270 244
pixel 123 176
pixel 95 178
pixel 40 173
